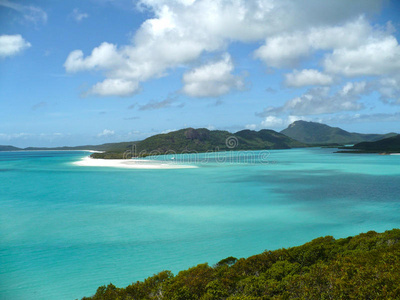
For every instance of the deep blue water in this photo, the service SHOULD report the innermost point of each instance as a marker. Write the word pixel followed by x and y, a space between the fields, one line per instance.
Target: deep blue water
pixel 65 229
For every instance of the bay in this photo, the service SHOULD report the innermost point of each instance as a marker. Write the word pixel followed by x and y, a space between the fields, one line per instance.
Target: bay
pixel 66 229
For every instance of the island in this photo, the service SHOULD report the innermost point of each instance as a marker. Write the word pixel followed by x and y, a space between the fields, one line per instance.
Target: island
pixel 298 134
pixel 388 145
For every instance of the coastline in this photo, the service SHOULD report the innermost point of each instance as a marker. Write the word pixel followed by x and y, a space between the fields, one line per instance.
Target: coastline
pixel 87 161
pixel 51 150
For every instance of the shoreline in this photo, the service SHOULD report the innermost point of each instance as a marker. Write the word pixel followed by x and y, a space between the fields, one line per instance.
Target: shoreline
pixel 43 150
pixel 87 161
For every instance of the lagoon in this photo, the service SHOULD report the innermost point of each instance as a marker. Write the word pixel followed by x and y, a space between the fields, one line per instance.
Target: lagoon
pixel 66 229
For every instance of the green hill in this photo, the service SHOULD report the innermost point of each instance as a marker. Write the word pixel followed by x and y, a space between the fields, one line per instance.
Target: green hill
pixel 119 147
pixel 387 145
pixel 366 266
pixel 265 139
pixel 203 140
pixel 317 133
pixel 187 140
pixel 122 146
pixel 9 148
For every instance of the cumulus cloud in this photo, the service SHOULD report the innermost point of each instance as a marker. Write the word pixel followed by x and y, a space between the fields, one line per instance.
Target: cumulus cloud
pixel 375 57
pixel 212 80
pixel 307 77
pixel 287 49
pixel 12 44
pixel 283 51
pixel 275 122
pixel 104 57
pixel 353 49
pixel 180 31
pixel 272 121
pixel 114 87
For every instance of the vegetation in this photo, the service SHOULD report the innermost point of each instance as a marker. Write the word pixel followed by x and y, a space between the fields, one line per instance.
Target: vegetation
pixel 366 266
pixel 385 146
pixel 104 147
pixel 298 134
pixel 8 148
pixel 316 133
pixel 203 140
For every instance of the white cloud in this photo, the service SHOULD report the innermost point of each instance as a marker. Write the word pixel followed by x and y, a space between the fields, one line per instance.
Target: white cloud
pixel 106 133
pixel 182 30
pixel 318 101
pixel 31 13
pixel 321 100
pixel 283 51
pixel 114 87
pixel 272 122
pixel 251 126
pixel 275 122
pixel 375 57
pixel 212 80
pixel 104 57
pixel 78 15
pixel 287 49
pixel 12 44
pixel 307 77
pixel 389 89
pixel 354 89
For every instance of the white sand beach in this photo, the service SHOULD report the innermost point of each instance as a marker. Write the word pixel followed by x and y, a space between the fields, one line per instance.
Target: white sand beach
pixel 129 163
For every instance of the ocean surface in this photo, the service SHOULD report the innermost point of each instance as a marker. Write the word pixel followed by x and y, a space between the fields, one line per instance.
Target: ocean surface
pixel 66 229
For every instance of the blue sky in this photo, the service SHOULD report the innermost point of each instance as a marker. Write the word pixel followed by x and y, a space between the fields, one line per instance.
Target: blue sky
pixel 96 71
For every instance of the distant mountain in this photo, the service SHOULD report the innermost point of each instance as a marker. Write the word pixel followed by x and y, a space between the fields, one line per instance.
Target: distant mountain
pixel 298 134
pixel 122 146
pixel 317 133
pixel 265 139
pixel 203 140
pixel 387 145
pixel 8 148
pixel 103 147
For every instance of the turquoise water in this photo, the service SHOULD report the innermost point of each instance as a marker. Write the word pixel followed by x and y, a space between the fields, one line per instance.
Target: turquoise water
pixel 65 229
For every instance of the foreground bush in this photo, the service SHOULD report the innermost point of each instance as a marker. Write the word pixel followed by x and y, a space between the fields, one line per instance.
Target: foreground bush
pixel 366 266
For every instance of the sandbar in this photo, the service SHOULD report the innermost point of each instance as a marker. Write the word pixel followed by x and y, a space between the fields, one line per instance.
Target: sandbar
pixel 130 163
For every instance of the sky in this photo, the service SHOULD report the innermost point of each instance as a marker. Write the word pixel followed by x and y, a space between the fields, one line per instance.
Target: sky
pixel 97 71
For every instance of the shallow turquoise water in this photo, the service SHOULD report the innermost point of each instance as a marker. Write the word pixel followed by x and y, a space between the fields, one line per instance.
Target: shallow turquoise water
pixel 65 229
